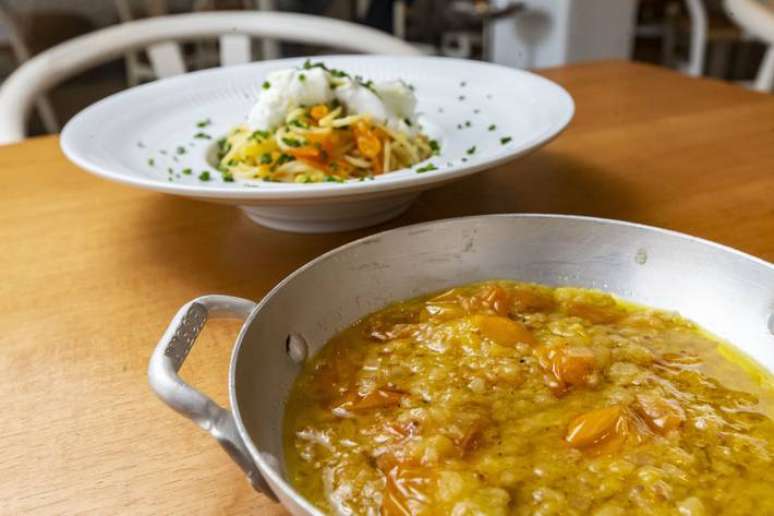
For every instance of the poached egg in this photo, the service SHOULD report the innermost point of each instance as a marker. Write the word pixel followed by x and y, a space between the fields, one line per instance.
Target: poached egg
pixel 391 103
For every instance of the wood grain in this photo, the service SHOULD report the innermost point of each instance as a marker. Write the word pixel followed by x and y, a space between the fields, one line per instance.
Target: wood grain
pixel 92 272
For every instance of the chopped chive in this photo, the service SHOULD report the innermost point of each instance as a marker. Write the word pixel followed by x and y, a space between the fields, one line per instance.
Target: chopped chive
pixel 170 171
pixel 434 146
pixel 203 136
pixel 204 176
pixel 228 178
pixel 259 135
pixel 408 121
pixel 467 123
pixel 186 171
pixel 151 161
pixel 426 168
pixel 203 123
pixel 181 149
pixel 505 139
pixel 284 158
pixel 492 127
pixel 291 142
pixel 232 163
pixel 301 77
pixel 266 85
pixel 265 158
pixel 471 151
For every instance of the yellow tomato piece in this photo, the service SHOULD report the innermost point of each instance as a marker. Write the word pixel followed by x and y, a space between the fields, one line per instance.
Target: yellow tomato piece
pixel 405 491
pixel 661 415
pixel 369 145
pixel 526 299
pixel 304 152
pixel 378 398
pixel 502 330
pixel 319 111
pixel 573 366
pixel 596 427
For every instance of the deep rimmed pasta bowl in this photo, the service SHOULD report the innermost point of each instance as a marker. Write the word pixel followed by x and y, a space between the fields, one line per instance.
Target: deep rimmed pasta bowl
pixel 163 136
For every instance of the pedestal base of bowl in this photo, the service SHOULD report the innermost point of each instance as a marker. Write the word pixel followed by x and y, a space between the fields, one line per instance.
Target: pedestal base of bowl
pixel 329 217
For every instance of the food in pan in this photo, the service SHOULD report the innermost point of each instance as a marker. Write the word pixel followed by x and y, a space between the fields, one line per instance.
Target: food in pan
pixel 513 398
pixel 314 124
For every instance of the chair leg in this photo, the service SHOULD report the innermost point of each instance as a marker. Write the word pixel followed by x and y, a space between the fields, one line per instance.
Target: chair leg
pixel 47 114
pixel 765 79
pixel 698 15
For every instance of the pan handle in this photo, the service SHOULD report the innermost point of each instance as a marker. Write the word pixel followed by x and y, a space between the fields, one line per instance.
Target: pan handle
pixel 168 357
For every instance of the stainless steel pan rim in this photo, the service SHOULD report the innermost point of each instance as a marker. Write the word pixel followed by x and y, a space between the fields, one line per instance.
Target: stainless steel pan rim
pixel 240 445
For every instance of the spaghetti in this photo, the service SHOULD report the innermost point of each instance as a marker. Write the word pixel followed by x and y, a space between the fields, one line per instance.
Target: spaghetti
pixel 328 141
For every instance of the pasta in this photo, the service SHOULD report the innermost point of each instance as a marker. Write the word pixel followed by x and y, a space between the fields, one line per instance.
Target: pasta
pixel 327 141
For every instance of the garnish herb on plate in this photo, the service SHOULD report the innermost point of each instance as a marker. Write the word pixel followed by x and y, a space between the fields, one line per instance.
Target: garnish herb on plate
pixel 426 168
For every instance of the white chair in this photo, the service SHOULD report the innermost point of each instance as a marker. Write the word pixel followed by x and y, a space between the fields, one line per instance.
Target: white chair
pixel 138 71
pixel 22 53
pixel 756 17
pixel 702 33
pixel 50 67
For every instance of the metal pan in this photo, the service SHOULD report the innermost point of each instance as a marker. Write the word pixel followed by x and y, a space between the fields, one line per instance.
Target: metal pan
pixel 727 292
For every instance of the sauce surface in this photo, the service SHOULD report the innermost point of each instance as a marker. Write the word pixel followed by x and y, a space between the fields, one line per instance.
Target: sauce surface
pixel 513 398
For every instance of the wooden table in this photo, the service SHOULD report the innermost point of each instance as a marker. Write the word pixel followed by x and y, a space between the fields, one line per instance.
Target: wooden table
pixel 93 271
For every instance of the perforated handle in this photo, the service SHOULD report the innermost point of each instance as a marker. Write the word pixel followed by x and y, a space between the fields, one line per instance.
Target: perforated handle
pixel 168 357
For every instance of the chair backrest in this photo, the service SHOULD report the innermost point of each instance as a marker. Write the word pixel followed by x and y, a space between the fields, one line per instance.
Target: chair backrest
pixel 58 63
pixel 757 20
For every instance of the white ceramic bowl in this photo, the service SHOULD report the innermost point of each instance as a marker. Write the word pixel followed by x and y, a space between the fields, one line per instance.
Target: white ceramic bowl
pixel 150 136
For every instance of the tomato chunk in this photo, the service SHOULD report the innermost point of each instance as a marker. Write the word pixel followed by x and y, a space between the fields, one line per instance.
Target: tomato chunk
pixel 319 111
pixel 598 427
pixel 378 398
pixel 573 366
pixel 525 299
pixel 405 491
pixel 661 415
pixel 567 367
pixel 502 330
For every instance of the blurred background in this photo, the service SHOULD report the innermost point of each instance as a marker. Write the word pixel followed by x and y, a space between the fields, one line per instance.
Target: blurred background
pixel 695 37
